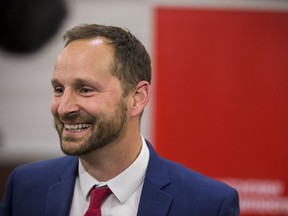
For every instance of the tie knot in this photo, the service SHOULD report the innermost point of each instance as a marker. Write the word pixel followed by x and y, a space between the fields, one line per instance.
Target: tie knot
pixel 97 196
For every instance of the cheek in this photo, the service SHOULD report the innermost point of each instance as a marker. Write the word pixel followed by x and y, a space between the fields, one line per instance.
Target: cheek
pixel 99 107
pixel 93 109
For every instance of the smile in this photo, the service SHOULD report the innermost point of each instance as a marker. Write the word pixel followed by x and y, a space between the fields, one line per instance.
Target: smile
pixel 77 127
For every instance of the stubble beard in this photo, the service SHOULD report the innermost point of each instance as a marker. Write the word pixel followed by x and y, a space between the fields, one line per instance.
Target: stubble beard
pixel 104 130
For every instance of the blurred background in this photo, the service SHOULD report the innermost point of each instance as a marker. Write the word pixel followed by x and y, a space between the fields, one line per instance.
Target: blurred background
pixel 220 74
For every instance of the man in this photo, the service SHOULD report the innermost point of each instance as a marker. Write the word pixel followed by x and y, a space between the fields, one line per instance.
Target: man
pixel 101 85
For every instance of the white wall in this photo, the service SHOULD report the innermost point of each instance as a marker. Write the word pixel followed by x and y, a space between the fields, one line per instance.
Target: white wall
pixel 26 125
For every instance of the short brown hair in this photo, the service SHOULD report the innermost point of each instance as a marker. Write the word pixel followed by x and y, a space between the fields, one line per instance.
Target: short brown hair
pixel 131 61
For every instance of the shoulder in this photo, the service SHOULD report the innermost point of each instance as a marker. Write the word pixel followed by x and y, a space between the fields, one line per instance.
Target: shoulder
pixel 201 192
pixel 195 181
pixel 34 181
pixel 190 189
pixel 186 177
pixel 56 163
pixel 198 193
pixel 46 168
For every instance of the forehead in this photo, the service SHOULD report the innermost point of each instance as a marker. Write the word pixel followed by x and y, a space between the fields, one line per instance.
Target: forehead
pixel 93 56
pixel 97 48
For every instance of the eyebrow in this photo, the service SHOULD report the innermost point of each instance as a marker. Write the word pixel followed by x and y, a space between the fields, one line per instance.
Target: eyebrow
pixel 54 82
pixel 77 82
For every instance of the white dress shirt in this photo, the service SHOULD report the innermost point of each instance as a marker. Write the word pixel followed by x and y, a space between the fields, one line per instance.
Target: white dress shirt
pixel 126 188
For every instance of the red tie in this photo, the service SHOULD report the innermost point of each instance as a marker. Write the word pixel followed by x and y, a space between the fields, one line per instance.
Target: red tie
pixel 97 196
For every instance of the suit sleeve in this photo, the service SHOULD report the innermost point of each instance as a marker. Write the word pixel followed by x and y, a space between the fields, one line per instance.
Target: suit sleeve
pixel 230 205
pixel 6 203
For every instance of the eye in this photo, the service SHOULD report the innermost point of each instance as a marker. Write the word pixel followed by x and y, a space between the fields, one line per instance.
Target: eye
pixel 58 90
pixel 86 91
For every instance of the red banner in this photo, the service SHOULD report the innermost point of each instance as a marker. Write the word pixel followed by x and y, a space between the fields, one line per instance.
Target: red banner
pixel 221 105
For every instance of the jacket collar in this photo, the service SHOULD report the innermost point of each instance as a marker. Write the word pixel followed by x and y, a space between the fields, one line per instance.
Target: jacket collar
pixel 60 194
pixel 154 200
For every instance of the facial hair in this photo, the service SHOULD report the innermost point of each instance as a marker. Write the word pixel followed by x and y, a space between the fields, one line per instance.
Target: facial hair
pixel 105 129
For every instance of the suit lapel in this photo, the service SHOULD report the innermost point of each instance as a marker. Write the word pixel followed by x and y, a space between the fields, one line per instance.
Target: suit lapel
pixel 154 201
pixel 60 194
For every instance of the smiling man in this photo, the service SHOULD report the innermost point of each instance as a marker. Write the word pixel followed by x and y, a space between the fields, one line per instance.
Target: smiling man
pixel 89 106
pixel 101 84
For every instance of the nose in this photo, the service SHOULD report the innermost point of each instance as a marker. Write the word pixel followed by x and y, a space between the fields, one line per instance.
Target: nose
pixel 68 103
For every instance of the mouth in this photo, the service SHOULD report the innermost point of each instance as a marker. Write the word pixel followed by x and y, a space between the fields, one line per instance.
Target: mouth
pixel 76 127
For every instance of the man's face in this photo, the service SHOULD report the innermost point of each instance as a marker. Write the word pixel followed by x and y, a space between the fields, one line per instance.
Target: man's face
pixel 88 108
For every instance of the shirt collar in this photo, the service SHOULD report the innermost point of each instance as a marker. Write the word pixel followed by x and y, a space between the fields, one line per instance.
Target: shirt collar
pixel 131 178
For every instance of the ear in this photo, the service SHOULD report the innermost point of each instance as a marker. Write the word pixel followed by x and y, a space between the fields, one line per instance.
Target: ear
pixel 140 97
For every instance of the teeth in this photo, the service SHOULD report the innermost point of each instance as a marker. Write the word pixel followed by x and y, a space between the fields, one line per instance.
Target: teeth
pixel 76 127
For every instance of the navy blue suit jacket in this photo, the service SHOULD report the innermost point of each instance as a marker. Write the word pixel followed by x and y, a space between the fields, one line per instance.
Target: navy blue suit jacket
pixel 170 189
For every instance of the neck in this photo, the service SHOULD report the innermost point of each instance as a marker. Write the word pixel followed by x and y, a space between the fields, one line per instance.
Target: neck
pixel 112 159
